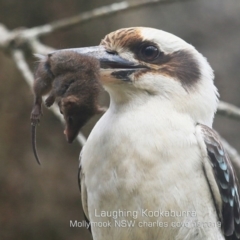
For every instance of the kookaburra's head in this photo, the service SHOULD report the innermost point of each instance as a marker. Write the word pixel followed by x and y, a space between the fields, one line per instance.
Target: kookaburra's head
pixel 142 64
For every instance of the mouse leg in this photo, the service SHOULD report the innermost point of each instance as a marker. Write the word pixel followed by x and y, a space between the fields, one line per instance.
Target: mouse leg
pixel 36 111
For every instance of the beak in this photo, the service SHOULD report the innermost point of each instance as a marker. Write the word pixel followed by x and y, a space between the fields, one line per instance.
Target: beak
pixel 110 63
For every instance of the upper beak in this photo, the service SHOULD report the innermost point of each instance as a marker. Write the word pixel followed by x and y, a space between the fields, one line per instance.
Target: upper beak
pixel 119 67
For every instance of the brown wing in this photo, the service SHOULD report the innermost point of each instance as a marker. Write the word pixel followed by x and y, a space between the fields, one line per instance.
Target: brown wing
pixel 226 181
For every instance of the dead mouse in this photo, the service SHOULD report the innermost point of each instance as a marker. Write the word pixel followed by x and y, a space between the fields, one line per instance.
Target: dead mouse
pixel 73 80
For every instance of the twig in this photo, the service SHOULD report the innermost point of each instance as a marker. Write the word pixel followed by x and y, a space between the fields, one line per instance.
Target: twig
pixel 96 13
pixel 39 48
pixel 19 59
pixel 229 110
pixel 26 35
pixel 22 65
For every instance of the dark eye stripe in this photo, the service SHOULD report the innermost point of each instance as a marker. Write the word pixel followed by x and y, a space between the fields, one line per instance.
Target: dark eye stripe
pixel 180 65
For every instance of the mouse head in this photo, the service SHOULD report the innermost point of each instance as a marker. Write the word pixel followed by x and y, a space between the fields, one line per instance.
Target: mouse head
pixel 75 115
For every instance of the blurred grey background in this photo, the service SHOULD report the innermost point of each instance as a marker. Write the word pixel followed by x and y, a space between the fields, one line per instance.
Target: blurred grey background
pixel 39 202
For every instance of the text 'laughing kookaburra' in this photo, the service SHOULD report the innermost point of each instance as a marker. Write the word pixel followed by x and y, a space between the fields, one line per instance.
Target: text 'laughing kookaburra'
pixel 152 167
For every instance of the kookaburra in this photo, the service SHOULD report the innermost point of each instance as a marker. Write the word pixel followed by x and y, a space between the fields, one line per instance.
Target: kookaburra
pixel 152 167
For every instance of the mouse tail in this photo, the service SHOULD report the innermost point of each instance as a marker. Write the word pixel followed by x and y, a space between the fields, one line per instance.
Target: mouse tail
pixel 34 143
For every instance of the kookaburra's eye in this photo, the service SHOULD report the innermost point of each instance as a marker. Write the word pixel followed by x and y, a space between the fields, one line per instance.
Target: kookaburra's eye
pixel 149 52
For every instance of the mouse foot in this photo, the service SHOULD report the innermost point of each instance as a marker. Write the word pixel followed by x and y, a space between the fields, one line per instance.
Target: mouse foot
pixel 50 100
pixel 36 115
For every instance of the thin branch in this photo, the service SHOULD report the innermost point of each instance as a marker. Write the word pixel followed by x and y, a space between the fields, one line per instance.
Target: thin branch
pixel 20 61
pixel 39 48
pixel 96 13
pixel 228 110
pixel 24 35
pixel 22 65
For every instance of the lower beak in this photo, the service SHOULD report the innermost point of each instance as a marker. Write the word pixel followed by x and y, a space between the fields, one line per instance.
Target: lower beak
pixel 110 62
